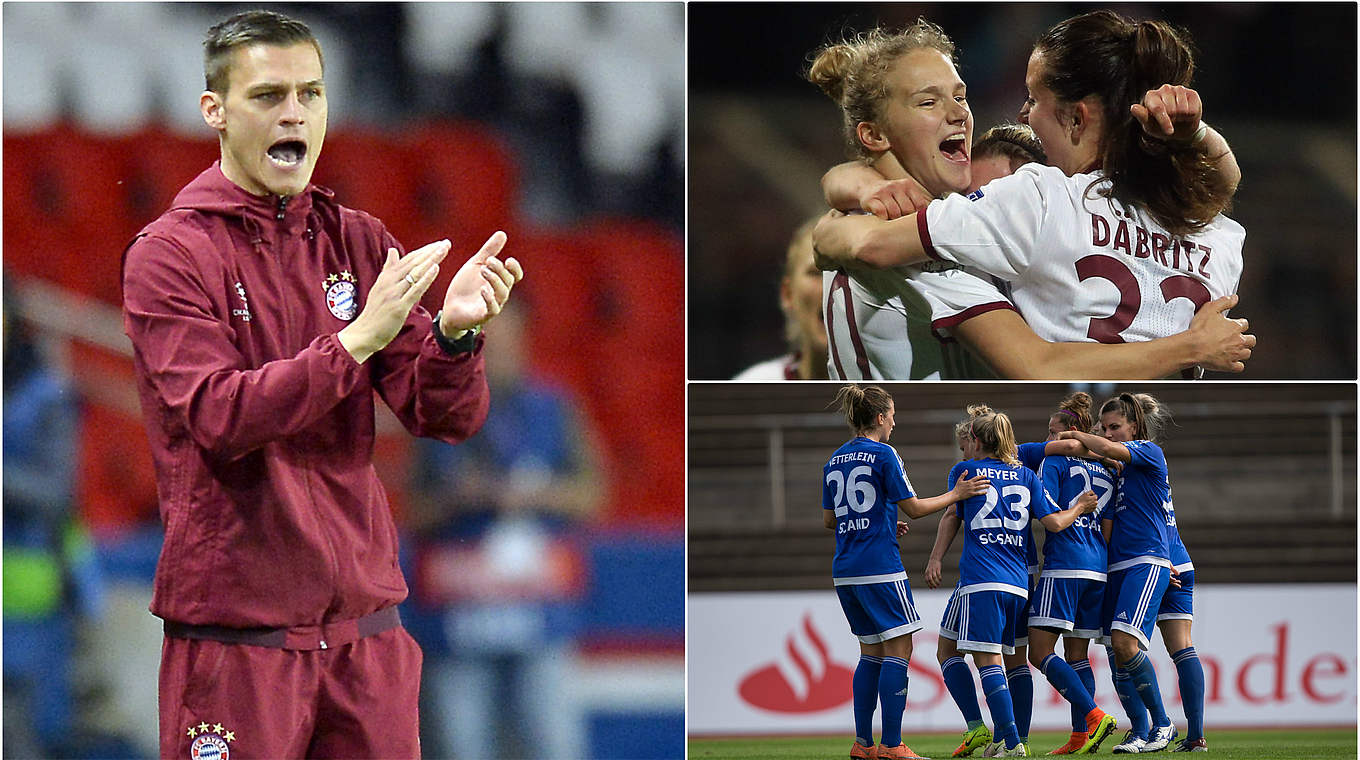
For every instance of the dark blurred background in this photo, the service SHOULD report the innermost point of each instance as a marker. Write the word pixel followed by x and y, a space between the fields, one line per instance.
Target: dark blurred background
pixel 559 123
pixel 1277 79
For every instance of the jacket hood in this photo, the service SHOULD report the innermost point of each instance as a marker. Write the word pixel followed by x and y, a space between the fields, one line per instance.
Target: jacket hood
pixel 211 192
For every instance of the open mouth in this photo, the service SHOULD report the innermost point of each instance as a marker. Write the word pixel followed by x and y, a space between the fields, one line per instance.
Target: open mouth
pixel 287 153
pixel 953 149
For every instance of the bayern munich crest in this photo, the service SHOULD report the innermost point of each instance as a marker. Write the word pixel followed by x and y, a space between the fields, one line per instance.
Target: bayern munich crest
pixel 341 295
pixel 211 742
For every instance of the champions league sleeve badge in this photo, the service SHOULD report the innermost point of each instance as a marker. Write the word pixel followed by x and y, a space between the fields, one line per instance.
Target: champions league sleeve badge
pixel 211 742
pixel 341 295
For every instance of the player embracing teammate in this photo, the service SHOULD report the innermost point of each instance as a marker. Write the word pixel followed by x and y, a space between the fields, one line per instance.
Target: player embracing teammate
pixel 1140 533
pixel 1067 599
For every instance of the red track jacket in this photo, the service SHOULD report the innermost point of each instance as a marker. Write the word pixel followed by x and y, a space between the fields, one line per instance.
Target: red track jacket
pixel 261 424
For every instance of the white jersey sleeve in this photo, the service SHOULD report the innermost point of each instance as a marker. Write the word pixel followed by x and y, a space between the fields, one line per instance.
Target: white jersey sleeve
pixel 994 228
pixel 956 294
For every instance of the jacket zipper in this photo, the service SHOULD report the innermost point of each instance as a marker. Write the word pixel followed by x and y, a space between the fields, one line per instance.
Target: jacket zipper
pixel 281 245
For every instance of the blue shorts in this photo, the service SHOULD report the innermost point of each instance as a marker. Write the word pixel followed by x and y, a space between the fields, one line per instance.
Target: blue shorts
pixel 879 611
pixel 1179 603
pixel 1072 606
pixel 983 621
pixel 1132 597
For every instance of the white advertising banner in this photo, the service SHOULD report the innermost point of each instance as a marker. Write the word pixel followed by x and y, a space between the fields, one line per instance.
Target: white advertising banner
pixel 781 663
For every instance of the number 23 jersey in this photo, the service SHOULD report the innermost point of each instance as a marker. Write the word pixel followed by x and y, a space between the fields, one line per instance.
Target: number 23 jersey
pixel 1083 267
pixel 862 483
pixel 996 526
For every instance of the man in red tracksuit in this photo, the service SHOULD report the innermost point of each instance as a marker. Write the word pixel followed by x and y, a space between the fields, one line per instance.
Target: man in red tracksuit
pixel 264 317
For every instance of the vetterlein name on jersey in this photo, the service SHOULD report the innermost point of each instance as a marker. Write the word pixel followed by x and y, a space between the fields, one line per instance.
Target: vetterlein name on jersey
pixel 854 456
pixel 1154 245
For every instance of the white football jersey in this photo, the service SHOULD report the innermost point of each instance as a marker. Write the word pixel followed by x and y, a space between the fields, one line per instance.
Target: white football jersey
pixel 1080 266
pixel 881 324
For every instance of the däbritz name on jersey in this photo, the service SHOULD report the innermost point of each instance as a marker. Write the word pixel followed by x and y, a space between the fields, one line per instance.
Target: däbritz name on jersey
pixel 1172 253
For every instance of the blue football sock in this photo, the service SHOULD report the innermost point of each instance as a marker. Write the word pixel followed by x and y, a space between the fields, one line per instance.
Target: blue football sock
pixel 864 689
pixel 1128 697
pixel 1144 680
pixel 1020 682
pixel 1066 683
pixel 892 693
pixel 1190 675
pixel 1088 681
pixel 959 680
pixel 999 703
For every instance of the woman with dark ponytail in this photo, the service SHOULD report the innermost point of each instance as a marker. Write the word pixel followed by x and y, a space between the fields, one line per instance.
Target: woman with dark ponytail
pixel 1123 238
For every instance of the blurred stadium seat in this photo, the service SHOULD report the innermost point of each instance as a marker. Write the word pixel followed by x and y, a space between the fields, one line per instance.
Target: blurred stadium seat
pixel 442 37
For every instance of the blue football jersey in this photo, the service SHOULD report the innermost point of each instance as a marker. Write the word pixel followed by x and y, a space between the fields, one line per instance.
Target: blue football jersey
pixel 1079 550
pixel 1180 556
pixel 1031 455
pixel 862 483
pixel 996 526
pixel 1142 509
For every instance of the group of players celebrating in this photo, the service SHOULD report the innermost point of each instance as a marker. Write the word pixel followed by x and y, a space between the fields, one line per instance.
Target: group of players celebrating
pixel 1113 567
pixel 1094 246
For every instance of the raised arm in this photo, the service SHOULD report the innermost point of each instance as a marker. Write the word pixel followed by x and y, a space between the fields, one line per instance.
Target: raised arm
pixel 916 507
pixel 1173 112
pixel 867 240
pixel 1101 447
pixel 1004 340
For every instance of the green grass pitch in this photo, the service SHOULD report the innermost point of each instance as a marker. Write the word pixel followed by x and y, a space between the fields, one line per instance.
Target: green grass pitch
pixel 1318 744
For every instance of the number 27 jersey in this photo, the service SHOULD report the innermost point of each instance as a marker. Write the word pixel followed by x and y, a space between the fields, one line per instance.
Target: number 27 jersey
pixel 862 483
pixel 1081 267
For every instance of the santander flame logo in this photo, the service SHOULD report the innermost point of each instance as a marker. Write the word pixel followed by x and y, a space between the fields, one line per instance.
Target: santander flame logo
pixel 803 679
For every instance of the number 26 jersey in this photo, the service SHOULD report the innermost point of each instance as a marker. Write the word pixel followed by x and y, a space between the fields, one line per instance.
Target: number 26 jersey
pixel 862 483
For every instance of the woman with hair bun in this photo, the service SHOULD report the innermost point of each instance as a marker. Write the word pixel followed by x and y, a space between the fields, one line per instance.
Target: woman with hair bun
pixel 864 485
pixel 1123 239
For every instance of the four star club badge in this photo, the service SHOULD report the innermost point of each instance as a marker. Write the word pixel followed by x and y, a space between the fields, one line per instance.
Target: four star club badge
pixel 341 295
pixel 211 742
